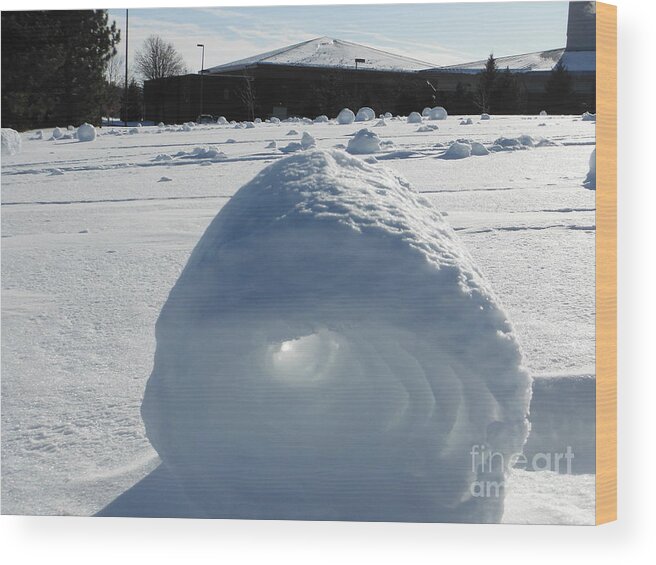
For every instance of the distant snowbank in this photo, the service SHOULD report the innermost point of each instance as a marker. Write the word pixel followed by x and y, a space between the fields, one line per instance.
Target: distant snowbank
pixel 328 330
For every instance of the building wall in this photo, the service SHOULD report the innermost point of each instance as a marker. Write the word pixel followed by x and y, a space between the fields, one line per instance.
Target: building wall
pixel 177 99
pixel 293 91
pixel 282 92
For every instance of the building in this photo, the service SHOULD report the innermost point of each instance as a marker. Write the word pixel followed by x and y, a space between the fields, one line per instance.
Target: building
pixel 324 75
pixel 315 77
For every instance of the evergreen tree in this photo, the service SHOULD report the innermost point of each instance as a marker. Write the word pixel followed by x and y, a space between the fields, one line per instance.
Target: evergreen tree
pixel 135 103
pixel 486 81
pixel 53 66
pixel 559 94
pixel 505 97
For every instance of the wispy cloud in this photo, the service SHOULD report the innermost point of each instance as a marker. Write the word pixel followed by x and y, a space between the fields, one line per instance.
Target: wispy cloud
pixel 435 33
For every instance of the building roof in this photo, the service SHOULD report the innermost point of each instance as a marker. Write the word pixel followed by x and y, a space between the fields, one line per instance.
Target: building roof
pixel 328 53
pixel 574 61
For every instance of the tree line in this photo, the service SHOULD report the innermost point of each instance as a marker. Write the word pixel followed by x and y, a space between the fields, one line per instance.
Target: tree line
pixel 62 67
pixel 500 91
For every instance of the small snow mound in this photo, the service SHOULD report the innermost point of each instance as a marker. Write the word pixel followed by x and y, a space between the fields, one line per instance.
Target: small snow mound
pixel 230 140
pixel 478 149
pixel 588 117
pixel 165 179
pixel 161 125
pixel 426 111
pixel 346 116
pixel 163 157
pixel 297 354
pixel 467 122
pixel 292 147
pixel 514 143
pixel 591 179
pixel 207 153
pixel 307 141
pixel 365 114
pixel 438 113
pixel 292 132
pixel 37 135
pixel 249 125
pixel 258 120
pixel 544 142
pixel 414 118
pixel 321 119
pixel 136 130
pixel 274 120
pixel 364 142
pixel 380 123
pixel 458 150
pixel 86 132
pixel 57 133
pixel 387 115
pixel 526 140
pixel 11 142
pixel 221 120
pixel 56 172
pixel 201 152
pixel 272 145
pixel 543 113
pixel 485 117
pixel 426 128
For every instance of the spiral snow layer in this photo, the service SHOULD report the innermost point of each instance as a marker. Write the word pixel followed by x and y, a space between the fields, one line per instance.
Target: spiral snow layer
pixel 331 351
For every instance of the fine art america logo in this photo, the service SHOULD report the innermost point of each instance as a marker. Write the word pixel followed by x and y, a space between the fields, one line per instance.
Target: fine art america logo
pixel 487 463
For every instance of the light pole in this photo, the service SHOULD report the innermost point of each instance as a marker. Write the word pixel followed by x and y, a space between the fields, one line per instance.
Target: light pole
pixel 202 70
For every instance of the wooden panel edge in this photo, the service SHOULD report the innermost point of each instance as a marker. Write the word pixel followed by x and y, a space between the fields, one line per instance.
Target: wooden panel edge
pixel 606 264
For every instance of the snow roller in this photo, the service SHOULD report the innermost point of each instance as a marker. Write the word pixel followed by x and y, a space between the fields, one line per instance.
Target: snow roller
pixel 332 352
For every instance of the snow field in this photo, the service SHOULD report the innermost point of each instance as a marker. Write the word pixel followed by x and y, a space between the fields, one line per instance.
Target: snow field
pixel 78 339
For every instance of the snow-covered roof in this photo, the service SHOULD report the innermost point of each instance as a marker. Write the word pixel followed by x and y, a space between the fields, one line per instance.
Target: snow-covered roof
pixel 576 61
pixel 327 52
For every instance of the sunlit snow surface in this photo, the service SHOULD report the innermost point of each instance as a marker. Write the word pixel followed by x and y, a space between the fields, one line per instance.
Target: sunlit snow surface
pixel 93 243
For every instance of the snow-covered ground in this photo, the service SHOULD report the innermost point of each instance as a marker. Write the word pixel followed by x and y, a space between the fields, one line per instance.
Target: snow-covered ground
pixel 95 234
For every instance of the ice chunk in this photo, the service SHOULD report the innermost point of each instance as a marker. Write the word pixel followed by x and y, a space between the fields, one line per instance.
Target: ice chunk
pixel 365 114
pixel 591 179
pixel 307 141
pixel 364 142
pixel 485 117
pixel 346 116
pixel 414 118
pixel 331 351
pixel 458 150
pixel 11 141
pixel 438 113
pixel 478 149
pixel 86 132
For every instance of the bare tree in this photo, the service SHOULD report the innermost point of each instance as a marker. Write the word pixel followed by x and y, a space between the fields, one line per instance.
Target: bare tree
pixel 159 59
pixel 115 68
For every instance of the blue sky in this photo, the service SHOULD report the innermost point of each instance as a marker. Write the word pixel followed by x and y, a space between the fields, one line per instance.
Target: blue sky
pixel 437 33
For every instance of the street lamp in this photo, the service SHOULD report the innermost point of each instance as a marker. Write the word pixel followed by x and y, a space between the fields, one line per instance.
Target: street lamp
pixel 202 70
